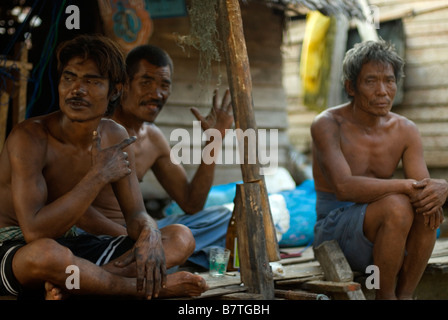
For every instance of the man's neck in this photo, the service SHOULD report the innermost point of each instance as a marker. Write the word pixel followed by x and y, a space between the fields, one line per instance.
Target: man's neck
pixel 78 133
pixel 365 119
pixel 130 122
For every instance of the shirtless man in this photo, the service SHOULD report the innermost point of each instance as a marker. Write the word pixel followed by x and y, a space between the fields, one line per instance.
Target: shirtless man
pixel 52 168
pixel 150 72
pixel 377 220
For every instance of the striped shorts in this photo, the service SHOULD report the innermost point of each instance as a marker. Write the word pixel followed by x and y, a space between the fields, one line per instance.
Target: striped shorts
pixel 97 249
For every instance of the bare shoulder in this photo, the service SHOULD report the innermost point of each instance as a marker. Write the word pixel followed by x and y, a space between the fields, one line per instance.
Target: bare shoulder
pixel 402 123
pixel 332 117
pixel 111 132
pixel 28 133
pixel 153 133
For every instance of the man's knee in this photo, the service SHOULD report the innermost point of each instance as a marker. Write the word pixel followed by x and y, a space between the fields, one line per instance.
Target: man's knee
pixel 43 256
pixel 399 212
pixel 182 236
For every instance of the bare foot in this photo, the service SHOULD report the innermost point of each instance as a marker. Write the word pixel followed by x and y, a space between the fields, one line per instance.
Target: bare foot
pixel 52 292
pixel 183 284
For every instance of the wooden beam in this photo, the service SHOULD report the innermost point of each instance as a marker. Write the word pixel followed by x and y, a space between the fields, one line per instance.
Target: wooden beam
pixel 4 105
pixel 240 83
pixel 366 29
pixel 299 295
pixel 335 96
pixel 255 270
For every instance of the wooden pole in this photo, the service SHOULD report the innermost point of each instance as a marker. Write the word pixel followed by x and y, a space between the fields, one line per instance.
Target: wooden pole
pixel 4 105
pixel 240 83
pixel 255 270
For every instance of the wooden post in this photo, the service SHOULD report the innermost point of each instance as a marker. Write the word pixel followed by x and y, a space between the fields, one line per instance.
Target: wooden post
pixel 240 83
pixel 255 270
pixel 4 105
pixel 366 30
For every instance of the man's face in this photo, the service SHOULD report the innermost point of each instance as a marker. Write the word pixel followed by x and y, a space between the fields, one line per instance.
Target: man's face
pixel 376 87
pixel 83 91
pixel 148 91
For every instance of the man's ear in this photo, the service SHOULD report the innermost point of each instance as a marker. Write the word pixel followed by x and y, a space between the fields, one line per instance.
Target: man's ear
pixel 349 88
pixel 116 93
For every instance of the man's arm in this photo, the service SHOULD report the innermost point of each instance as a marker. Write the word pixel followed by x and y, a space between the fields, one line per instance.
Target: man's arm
pixel 94 222
pixel 429 195
pixel 148 252
pixel 191 196
pixel 27 149
pixel 336 170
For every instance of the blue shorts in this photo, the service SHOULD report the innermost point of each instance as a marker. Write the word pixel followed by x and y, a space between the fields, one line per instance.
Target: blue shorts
pixel 343 222
pixel 209 228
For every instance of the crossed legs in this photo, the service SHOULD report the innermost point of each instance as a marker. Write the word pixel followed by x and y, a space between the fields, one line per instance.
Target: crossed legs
pixel 45 261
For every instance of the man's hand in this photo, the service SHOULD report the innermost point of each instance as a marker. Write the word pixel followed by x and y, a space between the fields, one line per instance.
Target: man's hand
pixel 219 118
pixel 149 257
pixel 111 162
pixel 428 200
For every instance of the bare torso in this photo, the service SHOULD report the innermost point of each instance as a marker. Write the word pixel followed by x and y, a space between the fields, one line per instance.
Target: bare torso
pixel 148 147
pixel 63 164
pixel 370 152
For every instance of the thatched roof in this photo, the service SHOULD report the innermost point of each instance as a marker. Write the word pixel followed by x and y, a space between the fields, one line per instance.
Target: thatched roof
pixel 348 8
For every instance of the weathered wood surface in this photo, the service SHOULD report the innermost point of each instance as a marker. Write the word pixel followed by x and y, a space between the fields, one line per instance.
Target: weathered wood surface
pixel 240 84
pixel 425 83
pixel 252 244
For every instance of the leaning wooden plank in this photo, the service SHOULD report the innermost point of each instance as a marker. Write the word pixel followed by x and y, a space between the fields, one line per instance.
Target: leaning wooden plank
pixel 333 262
pixel 337 269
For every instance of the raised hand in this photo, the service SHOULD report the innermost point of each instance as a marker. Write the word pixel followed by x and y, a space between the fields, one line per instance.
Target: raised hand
pixel 111 162
pixel 219 117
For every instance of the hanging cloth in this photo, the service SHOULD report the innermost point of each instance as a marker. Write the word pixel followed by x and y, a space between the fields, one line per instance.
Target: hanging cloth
pixel 126 21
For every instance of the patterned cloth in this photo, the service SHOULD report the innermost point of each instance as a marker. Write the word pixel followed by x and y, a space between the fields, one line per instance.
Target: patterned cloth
pixel 15 233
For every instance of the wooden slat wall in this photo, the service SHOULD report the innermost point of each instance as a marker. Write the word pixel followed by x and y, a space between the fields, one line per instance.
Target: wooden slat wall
pixel 425 85
pixel 299 116
pixel 263 34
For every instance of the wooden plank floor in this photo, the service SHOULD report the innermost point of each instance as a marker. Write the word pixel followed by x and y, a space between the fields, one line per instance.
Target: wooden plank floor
pixel 298 270
pixel 305 268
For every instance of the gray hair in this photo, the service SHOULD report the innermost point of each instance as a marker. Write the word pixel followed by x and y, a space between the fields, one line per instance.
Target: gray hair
pixel 364 52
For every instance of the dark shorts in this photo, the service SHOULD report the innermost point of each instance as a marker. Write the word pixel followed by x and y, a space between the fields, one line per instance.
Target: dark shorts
pixel 97 249
pixel 343 222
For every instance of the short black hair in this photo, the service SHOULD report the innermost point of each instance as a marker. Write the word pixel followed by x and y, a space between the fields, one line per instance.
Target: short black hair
pixel 152 54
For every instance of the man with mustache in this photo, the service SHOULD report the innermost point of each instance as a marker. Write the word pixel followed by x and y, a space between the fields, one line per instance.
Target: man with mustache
pixel 357 147
pixel 51 170
pixel 150 71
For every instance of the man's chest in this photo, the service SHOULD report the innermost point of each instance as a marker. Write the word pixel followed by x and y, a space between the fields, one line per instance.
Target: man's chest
pixel 372 155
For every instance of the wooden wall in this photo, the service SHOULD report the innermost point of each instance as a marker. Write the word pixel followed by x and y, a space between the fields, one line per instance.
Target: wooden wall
pixel 425 85
pixel 263 33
